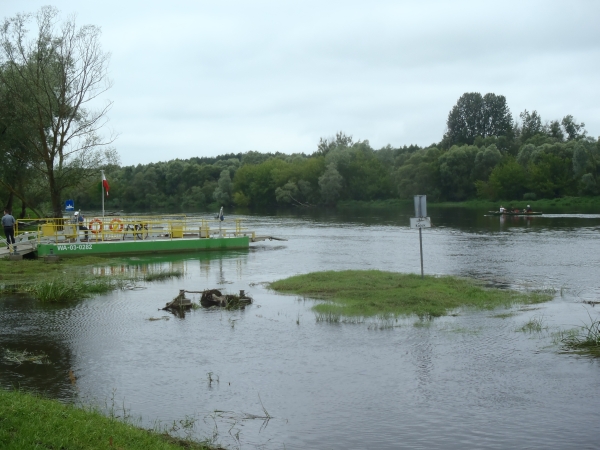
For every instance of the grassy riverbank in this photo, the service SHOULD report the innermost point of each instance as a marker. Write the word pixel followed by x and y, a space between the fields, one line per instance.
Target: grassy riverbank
pixel 573 204
pixel 32 270
pixel 564 203
pixel 372 293
pixel 393 203
pixel 69 279
pixel 29 421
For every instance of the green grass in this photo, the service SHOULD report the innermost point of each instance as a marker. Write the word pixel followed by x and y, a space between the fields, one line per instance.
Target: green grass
pixel 63 289
pixel 585 340
pixel 57 290
pixel 30 270
pixel 373 293
pixel 504 315
pixel 534 325
pixel 68 280
pixel 29 421
pixel 329 317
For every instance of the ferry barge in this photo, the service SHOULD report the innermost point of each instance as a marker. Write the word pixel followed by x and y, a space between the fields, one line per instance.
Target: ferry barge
pixel 129 235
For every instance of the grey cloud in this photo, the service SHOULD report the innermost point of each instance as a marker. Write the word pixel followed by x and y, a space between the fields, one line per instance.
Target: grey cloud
pixel 202 78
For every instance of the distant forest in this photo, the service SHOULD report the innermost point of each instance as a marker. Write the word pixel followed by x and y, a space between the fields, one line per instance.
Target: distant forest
pixel 485 153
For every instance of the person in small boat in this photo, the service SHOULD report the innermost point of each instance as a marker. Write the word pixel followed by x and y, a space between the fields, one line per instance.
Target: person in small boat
pixel 501 209
pixel 528 209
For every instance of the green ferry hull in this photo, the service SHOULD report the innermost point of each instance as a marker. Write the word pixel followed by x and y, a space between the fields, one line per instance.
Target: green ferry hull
pixel 142 246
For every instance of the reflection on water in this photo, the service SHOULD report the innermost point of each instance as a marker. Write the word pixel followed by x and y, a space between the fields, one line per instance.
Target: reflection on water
pixel 470 381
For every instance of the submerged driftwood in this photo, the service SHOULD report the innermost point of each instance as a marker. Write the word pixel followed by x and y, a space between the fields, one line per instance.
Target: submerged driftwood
pixel 179 302
pixel 210 297
pixel 214 297
pixel 591 302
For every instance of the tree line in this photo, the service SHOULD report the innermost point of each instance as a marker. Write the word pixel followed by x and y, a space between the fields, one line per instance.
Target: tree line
pixel 530 160
pixel 52 147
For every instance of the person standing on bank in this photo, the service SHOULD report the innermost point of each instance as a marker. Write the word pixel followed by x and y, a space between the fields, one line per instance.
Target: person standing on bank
pixel 8 222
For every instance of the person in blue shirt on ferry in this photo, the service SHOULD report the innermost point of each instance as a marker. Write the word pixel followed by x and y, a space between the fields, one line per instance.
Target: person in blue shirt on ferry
pixel 79 220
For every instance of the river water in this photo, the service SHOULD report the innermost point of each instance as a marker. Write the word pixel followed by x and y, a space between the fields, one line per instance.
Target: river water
pixel 272 377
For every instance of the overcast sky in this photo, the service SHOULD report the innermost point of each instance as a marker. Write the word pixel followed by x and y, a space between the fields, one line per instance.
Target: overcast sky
pixel 200 78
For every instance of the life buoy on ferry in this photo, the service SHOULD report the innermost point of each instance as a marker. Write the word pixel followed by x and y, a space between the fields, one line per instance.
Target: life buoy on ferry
pixel 93 228
pixel 116 225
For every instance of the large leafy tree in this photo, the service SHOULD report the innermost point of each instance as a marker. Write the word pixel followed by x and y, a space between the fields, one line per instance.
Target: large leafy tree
pixel 532 125
pixel 507 181
pixel 419 174
pixel 573 129
pixel 52 78
pixel 497 119
pixel 456 167
pixel 485 160
pixel 340 141
pixel 465 120
pixel 551 176
pixel 222 193
pixel 17 176
pixel 331 185
pixel 476 115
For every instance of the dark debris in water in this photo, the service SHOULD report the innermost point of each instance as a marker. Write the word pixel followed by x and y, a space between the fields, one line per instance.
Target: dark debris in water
pixel 19 357
pixel 179 302
pixel 591 302
pixel 214 297
pixel 210 298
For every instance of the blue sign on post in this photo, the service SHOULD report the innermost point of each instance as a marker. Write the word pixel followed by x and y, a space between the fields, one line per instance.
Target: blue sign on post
pixel 69 205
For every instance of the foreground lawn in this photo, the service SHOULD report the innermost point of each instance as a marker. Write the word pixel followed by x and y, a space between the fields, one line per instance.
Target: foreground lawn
pixel 28 422
pixel 368 293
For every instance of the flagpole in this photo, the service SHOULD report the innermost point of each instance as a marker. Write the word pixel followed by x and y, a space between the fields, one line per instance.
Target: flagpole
pixel 102 183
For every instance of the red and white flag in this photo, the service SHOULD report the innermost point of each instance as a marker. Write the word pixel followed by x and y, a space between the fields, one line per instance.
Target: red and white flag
pixel 105 184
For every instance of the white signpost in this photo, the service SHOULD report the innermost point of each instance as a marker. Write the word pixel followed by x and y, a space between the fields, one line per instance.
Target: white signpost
pixel 420 221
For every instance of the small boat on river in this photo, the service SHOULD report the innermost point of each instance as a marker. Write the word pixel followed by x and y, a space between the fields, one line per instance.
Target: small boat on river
pixel 514 213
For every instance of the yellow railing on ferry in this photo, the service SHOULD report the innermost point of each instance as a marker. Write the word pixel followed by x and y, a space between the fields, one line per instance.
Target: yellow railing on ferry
pixel 29 224
pixel 137 228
